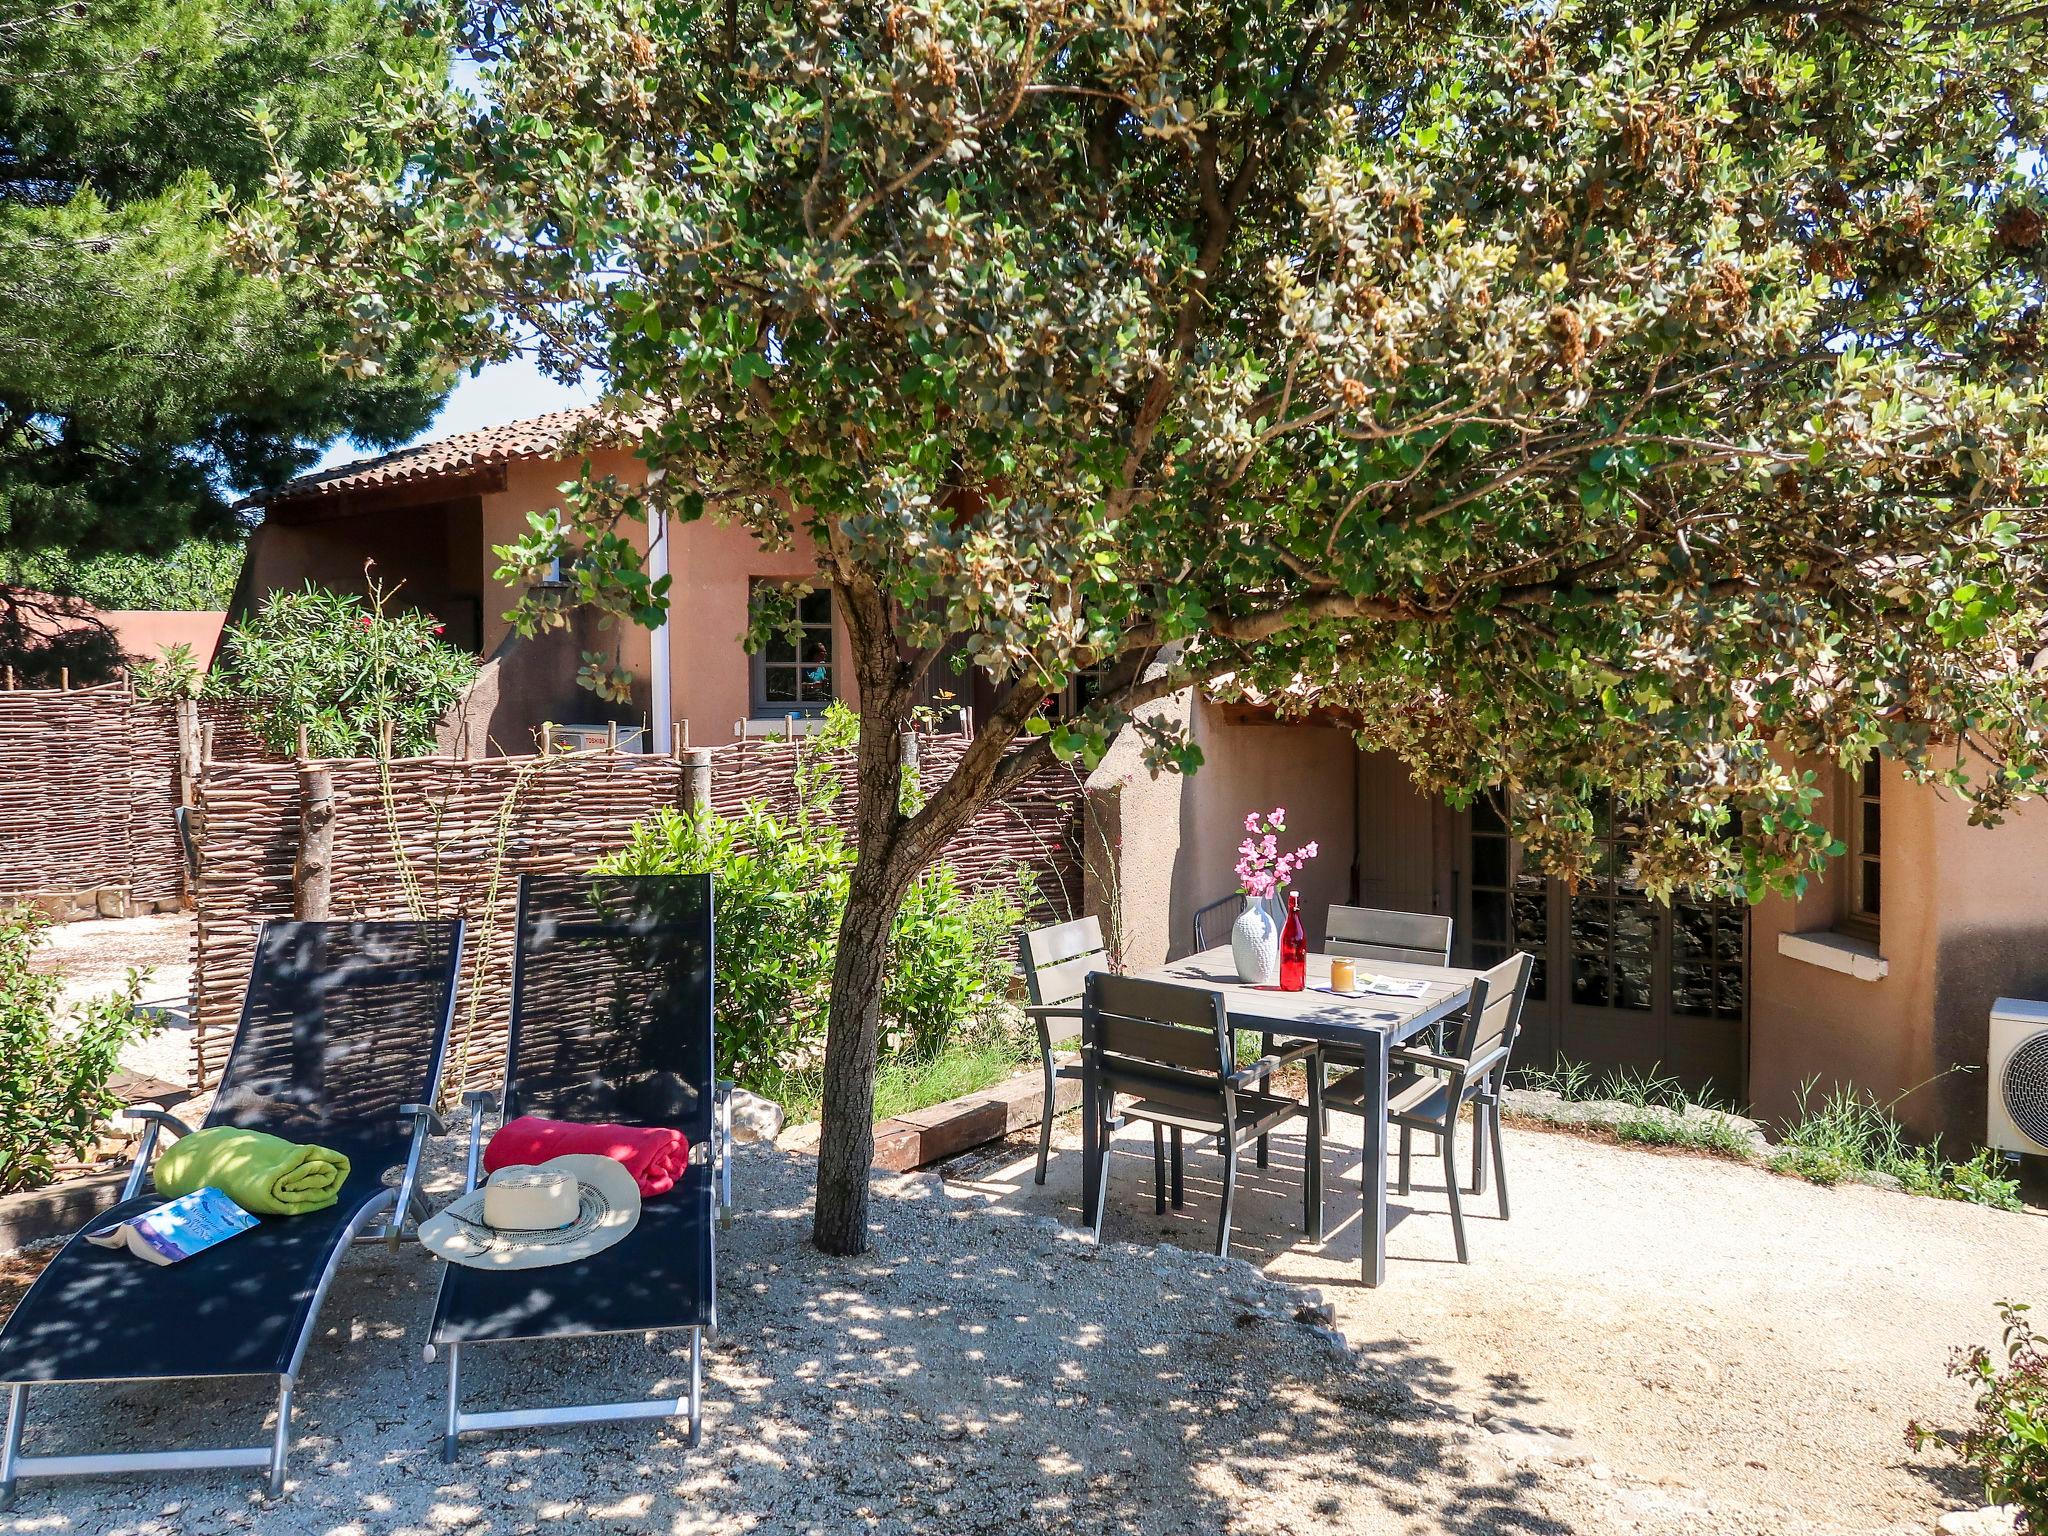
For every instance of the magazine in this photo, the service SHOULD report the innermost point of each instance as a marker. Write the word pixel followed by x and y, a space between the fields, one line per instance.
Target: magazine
pixel 178 1228
pixel 1384 986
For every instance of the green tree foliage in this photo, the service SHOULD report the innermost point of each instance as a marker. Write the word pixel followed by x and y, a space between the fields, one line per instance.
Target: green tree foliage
pixel 1601 396
pixel 143 381
pixel 196 575
pixel 782 886
pixel 344 670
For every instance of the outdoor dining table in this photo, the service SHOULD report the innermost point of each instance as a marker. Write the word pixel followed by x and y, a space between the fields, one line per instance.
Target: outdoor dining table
pixel 1375 1024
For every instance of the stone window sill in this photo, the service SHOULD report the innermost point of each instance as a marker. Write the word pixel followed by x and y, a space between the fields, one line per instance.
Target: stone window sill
pixel 1844 952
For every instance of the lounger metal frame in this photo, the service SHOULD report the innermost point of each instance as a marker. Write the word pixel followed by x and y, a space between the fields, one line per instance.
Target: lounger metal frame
pixel 457 1422
pixel 393 1205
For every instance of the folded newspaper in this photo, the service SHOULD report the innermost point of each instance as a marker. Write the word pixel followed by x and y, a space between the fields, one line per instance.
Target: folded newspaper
pixel 178 1228
pixel 1385 986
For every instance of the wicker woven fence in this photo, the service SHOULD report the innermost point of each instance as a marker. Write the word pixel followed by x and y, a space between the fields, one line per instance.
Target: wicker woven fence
pixel 448 836
pixel 90 782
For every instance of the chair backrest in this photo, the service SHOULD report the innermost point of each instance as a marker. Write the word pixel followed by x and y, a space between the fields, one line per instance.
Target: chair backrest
pixel 612 1000
pixel 1057 960
pixel 1371 933
pixel 1212 922
pixel 1495 1017
pixel 342 1023
pixel 1166 1042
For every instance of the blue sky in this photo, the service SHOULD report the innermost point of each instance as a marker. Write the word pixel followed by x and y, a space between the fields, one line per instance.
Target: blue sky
pixel 505 392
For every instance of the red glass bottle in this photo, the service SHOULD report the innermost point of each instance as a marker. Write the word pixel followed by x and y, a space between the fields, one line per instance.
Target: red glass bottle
pixel 1293 948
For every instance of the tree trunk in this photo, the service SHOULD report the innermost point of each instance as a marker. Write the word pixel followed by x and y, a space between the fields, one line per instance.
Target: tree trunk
pixel 890 850
pixel 846 1141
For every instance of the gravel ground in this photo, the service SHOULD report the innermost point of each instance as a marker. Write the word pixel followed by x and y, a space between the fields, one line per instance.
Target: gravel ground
pixel 1656 1344
pixel 96 957
pixel 978 1372
pixel 1680 1343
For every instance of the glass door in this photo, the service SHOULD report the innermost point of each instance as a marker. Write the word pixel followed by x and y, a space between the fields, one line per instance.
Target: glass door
pixel 1621 980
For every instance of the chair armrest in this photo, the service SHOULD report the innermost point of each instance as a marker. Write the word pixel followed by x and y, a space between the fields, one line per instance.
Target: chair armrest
pixel 154 1121
pixel 1409 1056
pixel 160 1117
pixel 721 1157
pixel 1053 1010
pixel 432 1116
pixel 481 1099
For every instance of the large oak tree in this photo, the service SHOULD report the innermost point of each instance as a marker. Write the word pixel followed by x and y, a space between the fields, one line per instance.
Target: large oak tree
pixel 1599 397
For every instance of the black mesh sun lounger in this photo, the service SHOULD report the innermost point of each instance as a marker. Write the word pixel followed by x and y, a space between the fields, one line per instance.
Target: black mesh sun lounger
pixel 342 1033
pixel 611 1022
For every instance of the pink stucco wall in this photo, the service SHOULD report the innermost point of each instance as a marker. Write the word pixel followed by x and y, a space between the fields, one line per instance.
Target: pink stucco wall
pixel 146 633
pixel 710 563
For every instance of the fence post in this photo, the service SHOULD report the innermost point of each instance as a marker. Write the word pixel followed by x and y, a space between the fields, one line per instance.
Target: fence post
pixel 185 716
pixel 697 779
pixel 910 751
pixel 313 875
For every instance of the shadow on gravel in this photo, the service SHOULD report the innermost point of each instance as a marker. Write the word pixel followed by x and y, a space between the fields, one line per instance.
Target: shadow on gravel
pixel 977 1372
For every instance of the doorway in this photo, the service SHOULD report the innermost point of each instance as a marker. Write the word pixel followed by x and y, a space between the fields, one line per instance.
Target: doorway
pixel 1622 981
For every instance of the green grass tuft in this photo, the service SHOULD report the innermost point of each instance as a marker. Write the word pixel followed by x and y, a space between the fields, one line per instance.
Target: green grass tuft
pixel 1849 1133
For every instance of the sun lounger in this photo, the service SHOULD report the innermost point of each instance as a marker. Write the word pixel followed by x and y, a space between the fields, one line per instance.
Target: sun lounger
pixel 611 1021
pixel 341 1039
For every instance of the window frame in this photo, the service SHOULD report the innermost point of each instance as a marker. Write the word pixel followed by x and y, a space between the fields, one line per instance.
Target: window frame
pixel 759 705
pixel 1862 792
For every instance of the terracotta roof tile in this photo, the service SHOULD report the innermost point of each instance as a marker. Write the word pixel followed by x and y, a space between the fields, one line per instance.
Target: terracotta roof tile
pixel 537 437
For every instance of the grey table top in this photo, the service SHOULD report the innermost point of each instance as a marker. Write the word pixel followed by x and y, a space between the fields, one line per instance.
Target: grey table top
pixel 1318 1013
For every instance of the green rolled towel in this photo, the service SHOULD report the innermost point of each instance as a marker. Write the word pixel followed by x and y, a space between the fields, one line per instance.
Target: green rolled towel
pixel 263 1174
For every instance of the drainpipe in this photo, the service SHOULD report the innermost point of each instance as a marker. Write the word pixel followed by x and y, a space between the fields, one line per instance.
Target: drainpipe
pixel 663 710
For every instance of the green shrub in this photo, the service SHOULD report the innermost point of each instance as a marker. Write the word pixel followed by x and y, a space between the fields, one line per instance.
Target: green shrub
pixel 53 1069
pixel 175 674
pixel 1849 1133
pixel 948 967
pixel 781 888
pixel 782 884
pixel 194 575
pixel 343 668
pixel 2008 1442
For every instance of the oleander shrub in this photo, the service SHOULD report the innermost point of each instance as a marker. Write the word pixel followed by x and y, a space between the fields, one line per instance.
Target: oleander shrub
pixel 344 668
pixel 55 1063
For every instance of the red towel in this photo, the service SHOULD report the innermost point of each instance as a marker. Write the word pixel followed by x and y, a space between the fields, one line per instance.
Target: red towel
pixel 656 1155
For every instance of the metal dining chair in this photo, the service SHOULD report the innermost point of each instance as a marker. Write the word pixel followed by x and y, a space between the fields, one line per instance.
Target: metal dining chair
pixel 1169 1054
pixel 1212 922
pixel 1372 933
pixel 1375 933
pixel 1428 1089
pixel 1057 962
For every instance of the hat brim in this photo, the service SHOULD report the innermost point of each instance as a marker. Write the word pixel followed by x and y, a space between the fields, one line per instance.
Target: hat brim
pixel 609 1202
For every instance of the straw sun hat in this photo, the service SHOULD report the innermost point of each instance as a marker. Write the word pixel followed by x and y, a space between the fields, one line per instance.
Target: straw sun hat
pixel 531 1215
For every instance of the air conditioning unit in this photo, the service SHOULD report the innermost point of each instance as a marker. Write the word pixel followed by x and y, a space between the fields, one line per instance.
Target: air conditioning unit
pixel 2017 1117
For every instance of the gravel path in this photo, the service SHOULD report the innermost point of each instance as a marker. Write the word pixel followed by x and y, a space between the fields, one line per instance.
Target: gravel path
pixel 981 1371
pixel 96 957
pixel 1680 1343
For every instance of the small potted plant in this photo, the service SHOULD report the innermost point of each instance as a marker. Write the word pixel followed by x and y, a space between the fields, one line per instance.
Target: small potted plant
pixel 1263 875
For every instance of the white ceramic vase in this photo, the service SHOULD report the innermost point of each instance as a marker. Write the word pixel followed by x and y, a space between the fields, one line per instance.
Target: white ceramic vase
pixel 1255 944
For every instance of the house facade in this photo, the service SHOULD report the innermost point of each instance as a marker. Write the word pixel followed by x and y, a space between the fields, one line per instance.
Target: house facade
pixel 1881 976
pixel 428 517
